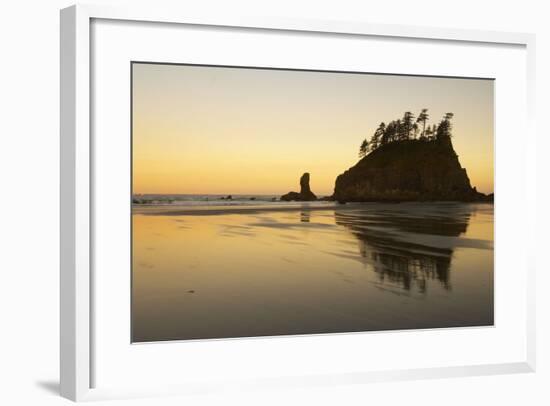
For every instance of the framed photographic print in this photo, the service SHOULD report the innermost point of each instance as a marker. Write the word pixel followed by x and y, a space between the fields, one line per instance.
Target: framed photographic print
pixel 267 202
pixel 400 240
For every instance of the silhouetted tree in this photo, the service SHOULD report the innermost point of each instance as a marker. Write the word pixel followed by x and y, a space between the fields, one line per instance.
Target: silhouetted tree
pixel 400 131
pixel 427 134
pixel 407 125
pixel 422 118
pixel 377 136
pixel 444 129
pixel 407 128
pixel 392 132
pixel 363 148
pixel 415 130
pixel 434 131
pixel 386 136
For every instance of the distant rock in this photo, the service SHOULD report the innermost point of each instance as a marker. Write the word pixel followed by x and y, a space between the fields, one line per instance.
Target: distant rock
pixel 291 196
pixel 410 170
pixel 305 195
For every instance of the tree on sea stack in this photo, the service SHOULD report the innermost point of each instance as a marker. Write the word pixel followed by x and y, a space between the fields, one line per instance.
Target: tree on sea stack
pixel 391 133
pixel 427 134
pixel 407 125
pixel 377 136
pixel 422 118
pixel 415 130
pixel 434 132
pixel 363 148
pixel 408 129
pixel 444 129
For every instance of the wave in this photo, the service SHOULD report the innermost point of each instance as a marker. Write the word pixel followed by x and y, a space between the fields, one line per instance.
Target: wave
pixel 205 200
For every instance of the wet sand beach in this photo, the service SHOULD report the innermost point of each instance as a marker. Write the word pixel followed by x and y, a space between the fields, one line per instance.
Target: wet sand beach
pixel 262 270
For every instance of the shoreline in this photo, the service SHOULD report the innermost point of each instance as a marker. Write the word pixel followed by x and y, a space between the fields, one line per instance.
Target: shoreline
pixel 205 210
pixel 210 210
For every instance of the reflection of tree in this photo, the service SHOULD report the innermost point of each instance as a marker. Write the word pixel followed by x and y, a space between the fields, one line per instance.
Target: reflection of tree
pixel 400 263
pixel 305 216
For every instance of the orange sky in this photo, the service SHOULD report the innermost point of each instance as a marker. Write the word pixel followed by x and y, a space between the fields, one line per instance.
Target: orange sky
pixel 211 130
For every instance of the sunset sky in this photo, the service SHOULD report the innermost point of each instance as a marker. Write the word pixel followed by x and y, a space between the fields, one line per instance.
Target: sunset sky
pixel 213 130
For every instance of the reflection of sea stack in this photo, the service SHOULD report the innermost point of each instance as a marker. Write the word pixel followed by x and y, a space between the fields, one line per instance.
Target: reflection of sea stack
pixel 404 263
pixel 305 194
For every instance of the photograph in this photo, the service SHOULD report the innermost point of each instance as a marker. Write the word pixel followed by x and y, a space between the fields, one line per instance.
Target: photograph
pixel 273 202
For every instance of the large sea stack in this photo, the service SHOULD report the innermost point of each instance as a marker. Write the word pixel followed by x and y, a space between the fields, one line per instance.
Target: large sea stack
pixel 409 170
pixel 305 194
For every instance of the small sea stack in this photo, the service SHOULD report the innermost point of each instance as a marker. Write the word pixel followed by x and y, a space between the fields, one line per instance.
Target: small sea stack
pixel 305 195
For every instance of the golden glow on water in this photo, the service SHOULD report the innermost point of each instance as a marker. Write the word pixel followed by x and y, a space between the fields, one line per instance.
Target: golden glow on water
pixel 264 272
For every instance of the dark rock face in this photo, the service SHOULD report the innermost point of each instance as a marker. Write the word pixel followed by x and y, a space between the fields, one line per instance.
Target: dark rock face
pixel 411 170
pixel 305 191
pixel 305 195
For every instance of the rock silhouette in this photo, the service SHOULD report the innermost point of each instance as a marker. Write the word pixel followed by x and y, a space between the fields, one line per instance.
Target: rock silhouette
pixel 305 195
pixel 409 170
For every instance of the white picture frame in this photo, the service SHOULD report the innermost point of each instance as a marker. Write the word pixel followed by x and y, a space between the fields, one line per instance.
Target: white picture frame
pixel 77 356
